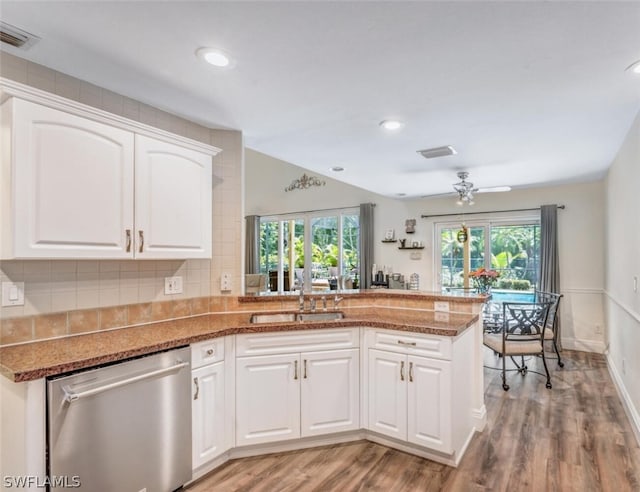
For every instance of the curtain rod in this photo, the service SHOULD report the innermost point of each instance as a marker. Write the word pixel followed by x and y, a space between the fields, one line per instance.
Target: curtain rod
pixel 487 212
pixel 308 211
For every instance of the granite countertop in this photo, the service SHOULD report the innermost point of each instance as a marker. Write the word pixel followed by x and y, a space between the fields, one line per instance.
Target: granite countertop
pixel 371 293
pixel 29 361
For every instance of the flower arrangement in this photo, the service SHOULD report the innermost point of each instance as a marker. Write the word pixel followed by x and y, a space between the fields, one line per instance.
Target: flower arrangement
pixel 483 279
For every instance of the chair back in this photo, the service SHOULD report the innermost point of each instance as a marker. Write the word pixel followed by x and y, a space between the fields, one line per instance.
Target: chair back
pixel 524 320
pixel 554 300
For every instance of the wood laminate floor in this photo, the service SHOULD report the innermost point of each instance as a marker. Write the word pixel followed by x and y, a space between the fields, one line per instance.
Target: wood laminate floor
pixel 574 437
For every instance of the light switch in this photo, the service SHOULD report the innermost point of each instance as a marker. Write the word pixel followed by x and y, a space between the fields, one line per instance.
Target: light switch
pixel 12 294
pixel 441 306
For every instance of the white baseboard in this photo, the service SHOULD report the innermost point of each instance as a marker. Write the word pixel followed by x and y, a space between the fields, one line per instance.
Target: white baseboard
pixel 479 417
pixel 594 346
pixel 627 402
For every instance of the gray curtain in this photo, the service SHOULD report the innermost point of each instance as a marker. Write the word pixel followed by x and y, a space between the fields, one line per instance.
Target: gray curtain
pixel 549 263
pixel 252 244
pixel 366 244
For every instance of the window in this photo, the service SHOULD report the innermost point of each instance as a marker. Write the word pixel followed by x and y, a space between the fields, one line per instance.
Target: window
pixel 316 248
pixel 511 247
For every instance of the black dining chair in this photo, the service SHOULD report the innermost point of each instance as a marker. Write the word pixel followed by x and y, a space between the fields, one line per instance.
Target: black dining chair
pixel 522 333
pixel 550 332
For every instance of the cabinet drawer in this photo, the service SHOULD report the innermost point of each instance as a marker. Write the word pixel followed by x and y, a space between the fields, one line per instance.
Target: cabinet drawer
pixel 406 342
pixel 207 352
pixel 296 341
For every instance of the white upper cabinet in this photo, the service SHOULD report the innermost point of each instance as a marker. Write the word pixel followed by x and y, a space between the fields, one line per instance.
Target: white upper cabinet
pixel 72 185
pixel 173 201
pixel 69 174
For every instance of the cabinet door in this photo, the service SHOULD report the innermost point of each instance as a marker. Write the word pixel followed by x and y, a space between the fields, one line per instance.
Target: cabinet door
pixel 388 393
pixel 267 398
pixel 208 413
pixel 73 185
pixel 330 392
pixel 429 403
pixel 172 201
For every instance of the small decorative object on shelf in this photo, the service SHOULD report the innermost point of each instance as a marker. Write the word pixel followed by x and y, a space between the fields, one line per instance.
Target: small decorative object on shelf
pixel 389 235
pixel 410 226
pixel 402 243
pixel 414 281
pixel 483 280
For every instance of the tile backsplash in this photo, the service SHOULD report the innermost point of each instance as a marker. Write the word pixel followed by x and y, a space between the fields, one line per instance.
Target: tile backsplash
pixel 61 285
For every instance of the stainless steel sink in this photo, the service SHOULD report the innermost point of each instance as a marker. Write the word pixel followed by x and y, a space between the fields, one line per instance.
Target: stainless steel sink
pixel 291 317
pixel 273 318
pixel 321 316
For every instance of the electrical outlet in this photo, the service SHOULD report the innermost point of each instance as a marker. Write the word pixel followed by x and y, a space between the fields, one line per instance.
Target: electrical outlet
pixel 172 285
pixel 598 329
pixel 225 282
pixel 441 306
pixel 635 284
pixel 624 366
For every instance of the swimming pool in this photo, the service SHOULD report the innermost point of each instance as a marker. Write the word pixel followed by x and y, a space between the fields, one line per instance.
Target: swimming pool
pixel 511 296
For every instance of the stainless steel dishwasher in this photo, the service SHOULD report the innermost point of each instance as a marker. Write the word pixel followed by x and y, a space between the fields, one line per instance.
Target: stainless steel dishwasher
pixel 124 427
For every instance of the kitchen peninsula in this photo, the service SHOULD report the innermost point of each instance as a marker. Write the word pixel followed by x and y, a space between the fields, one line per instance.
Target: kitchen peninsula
pixel 413 362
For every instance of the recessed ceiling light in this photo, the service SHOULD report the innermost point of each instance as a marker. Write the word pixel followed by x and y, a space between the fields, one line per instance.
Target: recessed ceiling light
pixel 634 67
pixel 391 125
pixel 337 169
pixel 215 57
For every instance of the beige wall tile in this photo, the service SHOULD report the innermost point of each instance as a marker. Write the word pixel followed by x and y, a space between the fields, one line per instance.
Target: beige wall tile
pixel 16 330
pixel 83 321
pixel 50 325
pixel 113 317
pixel 139 313
pixel 162 310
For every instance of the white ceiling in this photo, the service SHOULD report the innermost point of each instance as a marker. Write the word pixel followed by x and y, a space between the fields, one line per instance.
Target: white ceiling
pixel 529 93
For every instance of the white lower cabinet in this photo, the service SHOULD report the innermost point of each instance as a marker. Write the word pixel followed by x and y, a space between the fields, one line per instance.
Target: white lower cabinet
pixel 267 398
pixel 410 398
pixel 296 394
pixel 208 402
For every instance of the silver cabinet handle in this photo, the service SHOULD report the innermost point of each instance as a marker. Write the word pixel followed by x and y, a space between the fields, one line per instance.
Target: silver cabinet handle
pixel 411 372
pixel 195 381
pixel 305 369
pixel 128 231
pixel 71 396
pixel 409 344
pixel 210 352
pixel 402 371
pixel 295 369
pixel 141 234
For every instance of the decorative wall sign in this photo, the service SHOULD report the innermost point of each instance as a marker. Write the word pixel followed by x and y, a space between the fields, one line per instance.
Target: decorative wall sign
pixel 410 226
pixel 304 183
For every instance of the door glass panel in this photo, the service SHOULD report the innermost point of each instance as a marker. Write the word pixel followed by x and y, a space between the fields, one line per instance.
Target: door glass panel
pixel 324 249
pixel 350 247
pixel 295 255
pixel 452 258
pixel 515 253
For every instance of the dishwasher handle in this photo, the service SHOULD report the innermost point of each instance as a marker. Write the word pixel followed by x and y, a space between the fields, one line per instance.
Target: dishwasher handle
pixel 71 396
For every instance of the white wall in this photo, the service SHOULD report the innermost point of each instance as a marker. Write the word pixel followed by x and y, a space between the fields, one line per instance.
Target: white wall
pixel 622 246
pixel 581 232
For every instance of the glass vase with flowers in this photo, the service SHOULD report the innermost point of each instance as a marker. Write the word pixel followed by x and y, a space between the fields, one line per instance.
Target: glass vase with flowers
pixel 483 280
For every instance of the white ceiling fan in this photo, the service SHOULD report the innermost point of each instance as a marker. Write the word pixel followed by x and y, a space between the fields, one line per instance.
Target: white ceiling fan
pixel 465 189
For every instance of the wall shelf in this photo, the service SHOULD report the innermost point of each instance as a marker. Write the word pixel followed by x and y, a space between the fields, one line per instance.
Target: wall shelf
pixel 389 240
pixel 411 247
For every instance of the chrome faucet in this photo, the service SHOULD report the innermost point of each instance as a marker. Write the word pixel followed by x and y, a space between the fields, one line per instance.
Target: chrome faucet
pixel 337 300
pixel 312 304
pixel 301 298
pixel 324 303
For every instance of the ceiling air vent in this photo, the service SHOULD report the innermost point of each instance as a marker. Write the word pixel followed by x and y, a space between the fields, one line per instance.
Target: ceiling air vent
pixel 16 37
pixel 437 152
